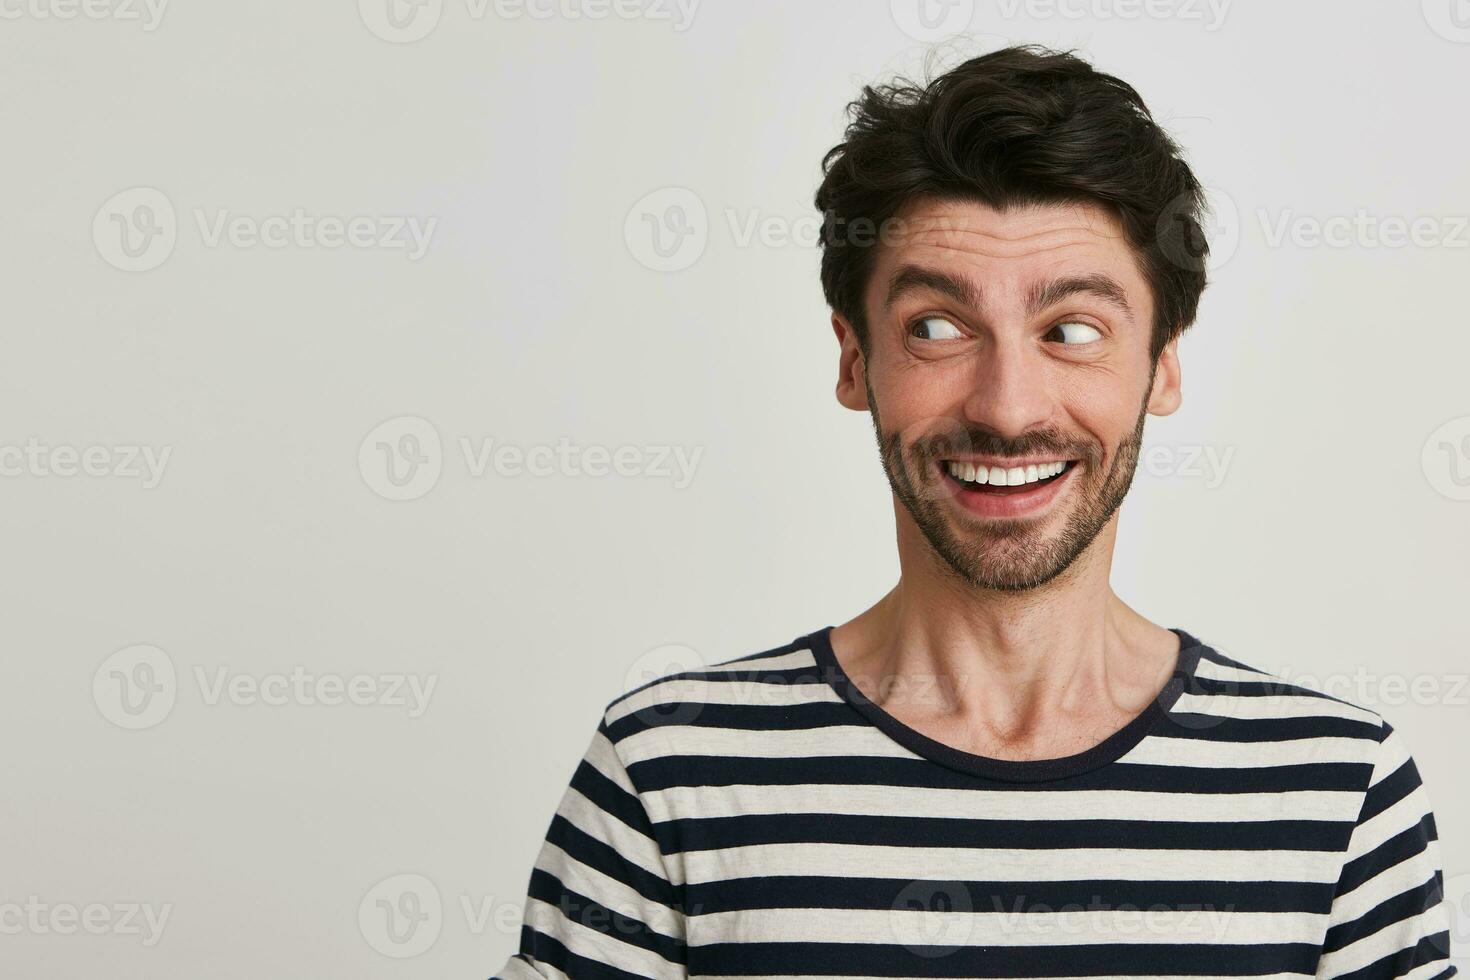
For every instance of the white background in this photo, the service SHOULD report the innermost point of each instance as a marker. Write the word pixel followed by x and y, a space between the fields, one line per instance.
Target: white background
pixel 1332 546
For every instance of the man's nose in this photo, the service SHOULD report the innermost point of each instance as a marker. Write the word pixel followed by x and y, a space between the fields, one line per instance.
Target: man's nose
pixel 1010 392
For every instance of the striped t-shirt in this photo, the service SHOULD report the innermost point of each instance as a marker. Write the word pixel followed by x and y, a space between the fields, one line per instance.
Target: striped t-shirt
pixel 763 818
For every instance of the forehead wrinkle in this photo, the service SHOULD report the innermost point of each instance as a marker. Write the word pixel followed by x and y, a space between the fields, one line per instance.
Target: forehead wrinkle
pixel 1002 253
pixel 925 226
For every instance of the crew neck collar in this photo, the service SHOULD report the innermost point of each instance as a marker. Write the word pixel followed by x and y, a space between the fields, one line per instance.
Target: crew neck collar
pixel 1032 770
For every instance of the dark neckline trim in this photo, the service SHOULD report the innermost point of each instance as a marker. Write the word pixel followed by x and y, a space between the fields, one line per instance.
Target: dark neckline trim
pixel 1036 770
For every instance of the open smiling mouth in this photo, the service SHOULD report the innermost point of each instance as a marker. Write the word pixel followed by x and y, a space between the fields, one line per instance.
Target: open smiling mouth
pixel 1006 480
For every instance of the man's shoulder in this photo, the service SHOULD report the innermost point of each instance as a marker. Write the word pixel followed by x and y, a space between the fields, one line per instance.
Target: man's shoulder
pixel 1242 701
pixel 738 692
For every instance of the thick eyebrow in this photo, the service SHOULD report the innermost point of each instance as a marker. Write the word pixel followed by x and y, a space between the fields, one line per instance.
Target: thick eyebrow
pixel 908 278
pixel 1103 287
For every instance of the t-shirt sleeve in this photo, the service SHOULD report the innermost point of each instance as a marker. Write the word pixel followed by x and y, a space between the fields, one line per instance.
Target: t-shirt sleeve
pixel 1388 915
pixel 600 903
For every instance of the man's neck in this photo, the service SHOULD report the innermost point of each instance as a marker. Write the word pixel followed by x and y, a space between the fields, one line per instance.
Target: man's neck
pixel 1035 674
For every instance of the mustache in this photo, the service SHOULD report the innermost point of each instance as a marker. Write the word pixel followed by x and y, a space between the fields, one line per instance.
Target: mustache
pixel 967 440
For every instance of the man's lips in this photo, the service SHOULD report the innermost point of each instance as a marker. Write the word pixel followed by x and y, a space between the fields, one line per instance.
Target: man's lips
pixel 1010 488
pixel 1004 474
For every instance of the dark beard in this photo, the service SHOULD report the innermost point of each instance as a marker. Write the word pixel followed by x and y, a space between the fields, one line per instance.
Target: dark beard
pixel 1005 556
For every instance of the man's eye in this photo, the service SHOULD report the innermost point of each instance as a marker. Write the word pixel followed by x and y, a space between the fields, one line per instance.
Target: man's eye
pixel 1074 332
pixel 935 328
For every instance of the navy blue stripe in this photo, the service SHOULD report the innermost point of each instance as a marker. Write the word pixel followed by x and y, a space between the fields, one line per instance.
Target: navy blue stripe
pixel 1390 853
pixel 1390 790
pixel 541 948
pixel 591 914
pixel 1399 964
pixel 714 833
pixel 827 892
pixel 884 960
pixel 1396 909
pixel 651 775
pixel 592 852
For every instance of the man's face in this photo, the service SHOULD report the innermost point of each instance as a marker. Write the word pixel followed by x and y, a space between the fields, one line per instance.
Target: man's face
pixel 1008 374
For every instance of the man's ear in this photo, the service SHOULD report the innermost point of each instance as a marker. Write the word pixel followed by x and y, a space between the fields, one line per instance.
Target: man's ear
pixel 852 387
pixel 1165 396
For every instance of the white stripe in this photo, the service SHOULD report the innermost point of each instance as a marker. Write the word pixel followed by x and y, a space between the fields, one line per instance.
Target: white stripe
pixel 1385 885
pixel 985 926
pixel 1270 706
pixel 791 660
pixel 600 825
pixel 912 801
pixel 843 741
pixel 1224 672
pixel 609 892
pixel 1403 815
pixel 1416 975
pixel 517 969
pixel 1393 755
pixel 1160 750
pixel 693 692
pixel 1007 864
pixel 598 946
pixel 1388 940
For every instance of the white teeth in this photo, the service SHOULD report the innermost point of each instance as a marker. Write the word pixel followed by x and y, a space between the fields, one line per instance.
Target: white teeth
pixel 1015 476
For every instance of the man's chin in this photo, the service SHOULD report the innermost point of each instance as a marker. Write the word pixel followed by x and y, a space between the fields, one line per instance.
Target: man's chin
pixel 1013 560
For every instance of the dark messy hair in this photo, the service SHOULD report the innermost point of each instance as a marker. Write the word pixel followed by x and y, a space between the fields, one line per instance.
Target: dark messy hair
pixel 1016 127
